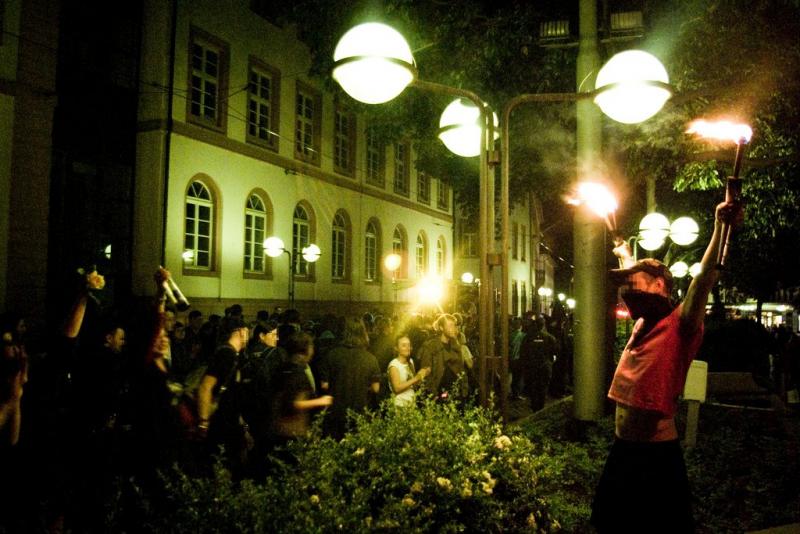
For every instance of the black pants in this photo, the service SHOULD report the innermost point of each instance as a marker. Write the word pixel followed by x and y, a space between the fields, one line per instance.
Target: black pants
pixel 643 488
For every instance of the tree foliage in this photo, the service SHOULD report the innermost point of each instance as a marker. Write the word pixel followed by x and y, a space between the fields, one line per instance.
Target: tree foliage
pixel 734 58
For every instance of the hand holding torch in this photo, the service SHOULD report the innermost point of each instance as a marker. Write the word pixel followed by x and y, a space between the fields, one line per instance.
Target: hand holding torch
pixel 740 134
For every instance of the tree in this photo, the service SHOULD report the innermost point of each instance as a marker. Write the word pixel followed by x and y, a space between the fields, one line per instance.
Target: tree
pixel 725 57
pixel 741 60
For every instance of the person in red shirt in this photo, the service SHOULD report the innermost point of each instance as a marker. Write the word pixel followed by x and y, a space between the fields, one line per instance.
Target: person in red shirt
pixel 644 486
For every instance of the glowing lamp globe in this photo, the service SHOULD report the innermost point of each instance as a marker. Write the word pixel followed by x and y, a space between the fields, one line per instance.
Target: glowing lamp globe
pixel 188 256
pixel 679 269
pixel 392 262
pixel 467 278
pixel 695 269
pixel 311 253
pixel 460 128
pixel 653 230
pixel 683 231
pixel 373 63
pixel 635 83
pixel 571 304
pixel 273 246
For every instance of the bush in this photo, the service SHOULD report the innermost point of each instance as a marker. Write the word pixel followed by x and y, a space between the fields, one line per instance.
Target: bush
pixel 438 468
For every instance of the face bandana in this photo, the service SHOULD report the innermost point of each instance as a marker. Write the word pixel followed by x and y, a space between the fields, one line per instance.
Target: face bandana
pixel 651 306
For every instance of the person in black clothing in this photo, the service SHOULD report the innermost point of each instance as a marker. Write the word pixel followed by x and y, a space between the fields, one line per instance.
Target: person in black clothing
pixel 537 352
pixel 258 380
pixel 217 404
pixel 350 373
pixel 294 394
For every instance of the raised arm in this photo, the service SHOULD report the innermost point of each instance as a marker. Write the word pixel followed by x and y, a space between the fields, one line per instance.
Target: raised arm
pixel 693 307
pixel 74 320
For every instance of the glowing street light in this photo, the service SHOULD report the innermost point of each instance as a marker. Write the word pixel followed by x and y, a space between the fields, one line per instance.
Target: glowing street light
pixel 683 231
pixel 695 269
pixel 430 290
pixel 679 269
pixel 571 303
pixel 460 128
pixel 467 278
pixel 562 297
pixel 392 262
pixel 274 247
pixel 373 63
pixel 632 87
pixel 653 231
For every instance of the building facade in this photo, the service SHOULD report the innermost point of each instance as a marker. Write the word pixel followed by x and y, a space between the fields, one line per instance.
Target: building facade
pixel 236 144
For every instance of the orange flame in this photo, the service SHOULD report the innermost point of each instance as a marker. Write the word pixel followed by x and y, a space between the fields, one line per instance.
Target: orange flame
pixel 598 199
pixel 721 130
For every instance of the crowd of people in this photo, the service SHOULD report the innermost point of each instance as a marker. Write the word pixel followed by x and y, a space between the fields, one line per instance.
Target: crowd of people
pixel 110 396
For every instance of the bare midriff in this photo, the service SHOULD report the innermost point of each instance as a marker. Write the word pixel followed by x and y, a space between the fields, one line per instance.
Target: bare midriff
pixel 633 424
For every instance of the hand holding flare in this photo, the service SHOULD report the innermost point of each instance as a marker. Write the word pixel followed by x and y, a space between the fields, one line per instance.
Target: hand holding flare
pixel 741 135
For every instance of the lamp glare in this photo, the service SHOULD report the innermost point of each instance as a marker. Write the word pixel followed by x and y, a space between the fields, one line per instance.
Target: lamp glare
pixel 630 98
pixel 373 63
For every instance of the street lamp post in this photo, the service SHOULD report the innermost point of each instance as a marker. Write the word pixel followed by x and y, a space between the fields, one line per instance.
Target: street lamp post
pixel 631 87
pixel 373 64
pixel 392 263
pixel 274 247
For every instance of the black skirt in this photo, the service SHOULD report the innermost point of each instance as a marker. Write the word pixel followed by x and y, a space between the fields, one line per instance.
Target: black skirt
pixel 643 488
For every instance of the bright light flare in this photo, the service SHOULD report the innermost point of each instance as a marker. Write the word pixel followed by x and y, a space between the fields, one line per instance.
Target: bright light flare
pixel 274 247
pixel 188 256
pixel 599 199
pixel 311 253
pixel 467 278
pixel 430 290
pixel 392 262
pixel 721 130
pixel 373 63
pixel 571 303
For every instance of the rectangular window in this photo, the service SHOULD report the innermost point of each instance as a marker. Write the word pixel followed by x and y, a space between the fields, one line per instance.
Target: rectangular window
pixel 375 163
pixel 255 224
pixel 514 299
pixel 423 188
pixel 370 257
pixel 344 142
pixel 401 169
pixel 514 240
pixel 308 114
pixel 469 244
pixel 443 196
pixel 198 233
pixel 263 104
pixel 208 60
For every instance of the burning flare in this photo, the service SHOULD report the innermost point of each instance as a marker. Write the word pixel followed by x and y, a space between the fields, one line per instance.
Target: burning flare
pixel 598 199
pixel 721 130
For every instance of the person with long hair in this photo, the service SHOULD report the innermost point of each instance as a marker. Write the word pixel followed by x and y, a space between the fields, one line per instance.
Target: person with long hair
pixel 403 377
pixel 350 373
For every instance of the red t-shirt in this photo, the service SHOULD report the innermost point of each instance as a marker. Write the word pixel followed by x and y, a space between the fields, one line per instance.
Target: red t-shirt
pixel 651 374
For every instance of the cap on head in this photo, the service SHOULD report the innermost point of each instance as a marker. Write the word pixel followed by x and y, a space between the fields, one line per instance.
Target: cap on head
pixel 650 266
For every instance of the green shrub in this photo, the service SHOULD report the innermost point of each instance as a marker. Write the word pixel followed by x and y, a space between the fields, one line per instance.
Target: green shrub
pixel 438 468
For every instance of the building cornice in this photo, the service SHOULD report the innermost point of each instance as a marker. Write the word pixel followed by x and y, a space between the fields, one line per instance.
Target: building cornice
pixel 290 166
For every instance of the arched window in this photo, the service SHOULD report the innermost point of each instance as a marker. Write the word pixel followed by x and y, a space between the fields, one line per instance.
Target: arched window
pixel 400 248
pixel 301 238
pixel 440 256
pixel 198 241
pixel 371 247
pixel 421 255
pixel 339 270
pixel 255 226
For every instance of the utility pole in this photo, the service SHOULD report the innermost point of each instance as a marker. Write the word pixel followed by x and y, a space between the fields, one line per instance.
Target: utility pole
pixel 589 236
